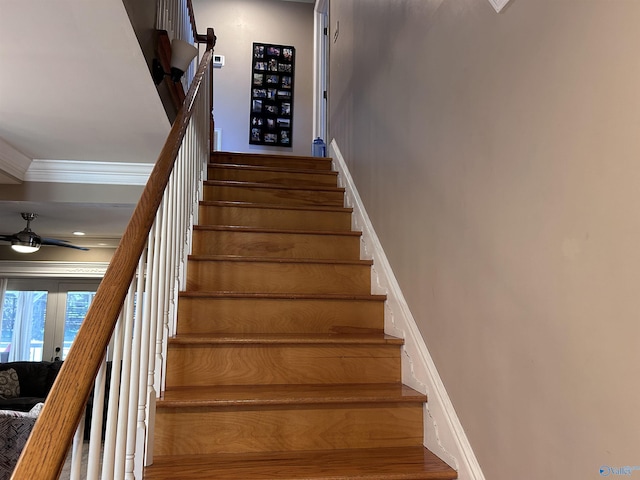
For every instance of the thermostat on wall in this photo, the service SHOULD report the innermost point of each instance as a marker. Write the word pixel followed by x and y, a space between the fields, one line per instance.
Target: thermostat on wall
pixel 218 61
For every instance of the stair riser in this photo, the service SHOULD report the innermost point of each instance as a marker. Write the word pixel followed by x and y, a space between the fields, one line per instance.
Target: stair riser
pixel 272 277
pixel 275 218
pixel 279 196
pixel 276 245
pixel 276 178
pixel 278 161
pixel 246 315
pixel 214 431
pixel 281 364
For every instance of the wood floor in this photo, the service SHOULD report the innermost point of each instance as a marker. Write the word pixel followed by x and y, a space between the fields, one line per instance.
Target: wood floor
pixel 280 368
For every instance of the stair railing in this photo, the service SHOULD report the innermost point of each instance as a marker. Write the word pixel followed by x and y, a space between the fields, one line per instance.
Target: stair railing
pixel 131 317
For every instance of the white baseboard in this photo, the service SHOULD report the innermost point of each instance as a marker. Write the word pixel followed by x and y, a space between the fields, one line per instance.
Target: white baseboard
pixel 444 434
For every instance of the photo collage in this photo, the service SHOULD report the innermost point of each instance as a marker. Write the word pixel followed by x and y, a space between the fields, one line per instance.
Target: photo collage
pixel 272 95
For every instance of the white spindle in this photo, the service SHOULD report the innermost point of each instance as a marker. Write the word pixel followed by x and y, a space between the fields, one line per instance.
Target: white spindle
pixel 135 373
pixel 76 452
pixel 142 358
pixel 125 375
pixel 95 432
pixel 109 454
pixel 163 301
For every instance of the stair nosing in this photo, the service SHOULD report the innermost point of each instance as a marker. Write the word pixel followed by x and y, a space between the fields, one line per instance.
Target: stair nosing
pixel 276 206
pixel 280 296
pixel 260 168
pixel 247 229
pixel 272 395
pixel 285 339
pixel 306 261
pixel 272 186
pixel 272 155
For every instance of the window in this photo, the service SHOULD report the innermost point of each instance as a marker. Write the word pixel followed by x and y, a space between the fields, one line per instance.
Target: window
pixel 41 317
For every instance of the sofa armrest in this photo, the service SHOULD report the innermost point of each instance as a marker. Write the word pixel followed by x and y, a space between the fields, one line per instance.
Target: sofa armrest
pixel 15 428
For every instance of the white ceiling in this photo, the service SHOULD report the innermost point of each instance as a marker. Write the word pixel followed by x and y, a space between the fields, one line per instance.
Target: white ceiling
pixel 74 86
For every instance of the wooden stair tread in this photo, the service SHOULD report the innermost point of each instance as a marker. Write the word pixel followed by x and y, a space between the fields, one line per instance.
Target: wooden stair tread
pixel 236 258
pixel 285 339
pixel 290 395
pixel 244 229
pixel 287 296
pixel 405 463
pixel 268 206
pixel 272 186
pixel 316 163
pixel 247 167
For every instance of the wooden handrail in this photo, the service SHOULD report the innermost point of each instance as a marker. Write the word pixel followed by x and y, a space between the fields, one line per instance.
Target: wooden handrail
pixel 44 454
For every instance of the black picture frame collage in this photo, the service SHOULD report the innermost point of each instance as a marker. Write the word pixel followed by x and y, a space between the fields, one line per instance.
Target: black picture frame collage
pixel 272 79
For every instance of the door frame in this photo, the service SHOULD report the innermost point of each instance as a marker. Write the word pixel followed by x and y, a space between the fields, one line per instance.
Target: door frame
pixel 57 289
pixel 321 69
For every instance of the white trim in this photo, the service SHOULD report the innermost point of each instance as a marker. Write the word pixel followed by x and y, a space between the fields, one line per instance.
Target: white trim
pixel 498 4
pixel 104 173
pixel 12 161
pixel 444 434
pixel 12 269
pixel 217 139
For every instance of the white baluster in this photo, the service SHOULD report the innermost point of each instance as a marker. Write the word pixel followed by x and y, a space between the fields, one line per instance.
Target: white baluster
pixel 109 454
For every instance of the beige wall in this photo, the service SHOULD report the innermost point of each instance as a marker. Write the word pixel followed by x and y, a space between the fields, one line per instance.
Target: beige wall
pixel 239 23
pixel 498 156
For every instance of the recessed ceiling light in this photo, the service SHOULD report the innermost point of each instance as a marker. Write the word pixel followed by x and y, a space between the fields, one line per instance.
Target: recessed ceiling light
pixel 79 233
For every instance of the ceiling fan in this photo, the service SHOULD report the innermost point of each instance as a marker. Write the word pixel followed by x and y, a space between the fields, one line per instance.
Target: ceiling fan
pixel 27 241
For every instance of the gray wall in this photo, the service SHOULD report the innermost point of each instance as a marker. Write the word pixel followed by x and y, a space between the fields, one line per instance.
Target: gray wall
pixel 497 155
pixel 239 23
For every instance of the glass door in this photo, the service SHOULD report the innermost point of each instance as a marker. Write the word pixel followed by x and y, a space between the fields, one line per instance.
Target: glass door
pixel 23 321
pixel 70 315
pixel 41 317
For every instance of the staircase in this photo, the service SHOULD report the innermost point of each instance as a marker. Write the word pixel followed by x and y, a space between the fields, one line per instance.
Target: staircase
pixel 280 368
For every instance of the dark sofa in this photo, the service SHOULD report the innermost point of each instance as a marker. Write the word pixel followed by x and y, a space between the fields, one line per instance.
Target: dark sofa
pixel 35 378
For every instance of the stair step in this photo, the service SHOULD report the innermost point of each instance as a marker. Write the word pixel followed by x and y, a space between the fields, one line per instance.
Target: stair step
pixel 403 463
pixel 278 275
pixel 198 360
pixel 275 175
pixel 253 242
pixel 283 395
pixel 184 431
pixel 273 194
pixel 266 160
pixel 275 216
pixel 219 312
pixel 285 339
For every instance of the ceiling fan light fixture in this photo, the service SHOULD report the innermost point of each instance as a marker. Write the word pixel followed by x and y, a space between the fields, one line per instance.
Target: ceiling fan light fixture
pixel 27 241
pixel 30 245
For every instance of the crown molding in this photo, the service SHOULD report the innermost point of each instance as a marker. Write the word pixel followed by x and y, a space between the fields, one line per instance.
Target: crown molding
pixel 53 269
pixel 13 162
pixel 102 173
pixel 498 4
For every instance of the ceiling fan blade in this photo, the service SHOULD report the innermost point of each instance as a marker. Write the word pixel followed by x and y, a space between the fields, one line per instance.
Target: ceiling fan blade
pixel 60 243
pixel 7 238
